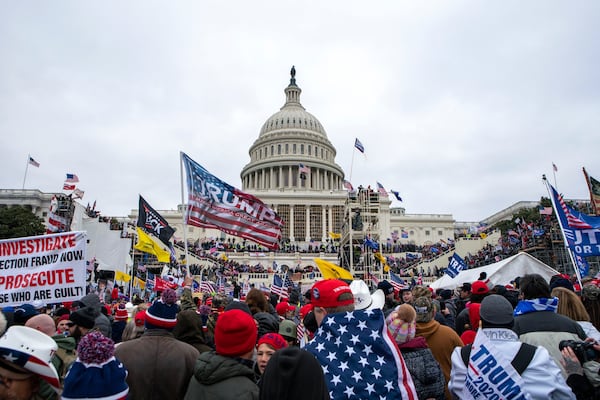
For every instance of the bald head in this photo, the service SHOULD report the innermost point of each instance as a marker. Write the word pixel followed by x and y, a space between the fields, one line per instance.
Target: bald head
pixel 43 323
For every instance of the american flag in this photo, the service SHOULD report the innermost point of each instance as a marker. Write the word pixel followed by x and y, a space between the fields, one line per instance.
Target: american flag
pixel 195 287
pixel 359 146
pixel 359 358
pixel 348 186
pixel 381 190
pixel 303 169
pixel 68 186
pixel 288 282
pixel 33 162
pixel 72 178
pixel 300 333
pixel 277 287
pixel 374 279
pixel 217 205
pixel 397 282
pixel 572 220
pixel 208 287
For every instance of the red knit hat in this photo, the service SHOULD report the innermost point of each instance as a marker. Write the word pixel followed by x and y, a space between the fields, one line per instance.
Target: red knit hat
pixel 326 293
pixel 235 333
pixel 121 314
pixel 275 340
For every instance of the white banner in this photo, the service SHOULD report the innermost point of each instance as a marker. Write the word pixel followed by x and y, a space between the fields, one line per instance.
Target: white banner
pixel 48 268
pixel 490 375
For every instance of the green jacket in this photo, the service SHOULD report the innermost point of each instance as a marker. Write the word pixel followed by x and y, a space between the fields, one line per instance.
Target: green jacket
pixel 218 377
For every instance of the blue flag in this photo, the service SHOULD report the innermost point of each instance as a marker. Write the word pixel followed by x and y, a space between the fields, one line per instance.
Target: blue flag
pixel 456 265
pixel 371 244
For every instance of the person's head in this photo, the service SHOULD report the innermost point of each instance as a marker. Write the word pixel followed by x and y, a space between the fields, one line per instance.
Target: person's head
pixel 96 374
pixel 331 296
pixel 43 323
pixel 363 299
pixel 402 323
pixel 293 374
pixel 479 290
pixel 561 281
pixel 267 345
pixel 25 358
pixel 288 329
pixel 424 309
pixel 465 291
pixel 496 311
pixel 534 286
pixel 407 296
pixel 235 334
pixel 285 310
pixel 23 313
pixel 257 301
pixel 162 314
pixel 569 304
pixel 387 288
pixel 82 321
pixel 62 324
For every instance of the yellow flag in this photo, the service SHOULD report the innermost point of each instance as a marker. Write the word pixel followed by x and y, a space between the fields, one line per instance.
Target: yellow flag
pixel 138 283
pixel 483 235
pixel 122 276
pixel 332 271
pixel 334 235
pixel 383 261
pixel 147 245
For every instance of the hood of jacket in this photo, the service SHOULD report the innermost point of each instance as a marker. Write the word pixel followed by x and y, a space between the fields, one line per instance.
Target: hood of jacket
pixel 65 342
pixel 418 342
pixel 212 368
pixel 91 300
pixel 426 329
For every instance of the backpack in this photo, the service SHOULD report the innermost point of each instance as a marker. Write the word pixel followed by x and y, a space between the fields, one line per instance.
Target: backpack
pixel 519 363
pixel 66 358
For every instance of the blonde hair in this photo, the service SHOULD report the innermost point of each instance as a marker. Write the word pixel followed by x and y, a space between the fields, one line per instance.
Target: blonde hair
pixel 570 305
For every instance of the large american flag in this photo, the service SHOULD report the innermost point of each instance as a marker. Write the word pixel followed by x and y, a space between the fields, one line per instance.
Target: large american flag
pixel 208 287
pixel 277 287
pixel 359 358
pixel 215 204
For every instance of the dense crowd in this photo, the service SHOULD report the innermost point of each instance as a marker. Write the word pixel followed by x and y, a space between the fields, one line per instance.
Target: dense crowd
pixel 532 338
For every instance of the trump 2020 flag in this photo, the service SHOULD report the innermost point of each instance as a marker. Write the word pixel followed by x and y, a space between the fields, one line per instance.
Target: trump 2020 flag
pixel 456 265
pixel 359 358
pixel 491 374
pixel 215 204
pixel 152 222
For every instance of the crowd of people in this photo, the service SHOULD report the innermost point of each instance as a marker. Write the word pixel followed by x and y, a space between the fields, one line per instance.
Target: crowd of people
pixel 532 339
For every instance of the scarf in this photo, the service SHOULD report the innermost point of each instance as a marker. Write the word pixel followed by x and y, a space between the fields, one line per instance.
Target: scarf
pixel 533 305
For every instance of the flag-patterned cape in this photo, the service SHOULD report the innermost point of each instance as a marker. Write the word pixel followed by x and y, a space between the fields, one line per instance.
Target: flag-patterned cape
pixel 360 359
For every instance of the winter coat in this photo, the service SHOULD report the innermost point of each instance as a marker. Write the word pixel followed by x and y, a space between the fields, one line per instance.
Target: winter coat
pixel 547 329
pixel 424 369
pixel 441 340
pixel 189 330
pixel 542 378
pixel 221 378
pixel 159 366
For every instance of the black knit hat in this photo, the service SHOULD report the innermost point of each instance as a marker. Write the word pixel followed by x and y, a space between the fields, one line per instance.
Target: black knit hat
pixel 85 317
pixel 293 373
pixel 385 286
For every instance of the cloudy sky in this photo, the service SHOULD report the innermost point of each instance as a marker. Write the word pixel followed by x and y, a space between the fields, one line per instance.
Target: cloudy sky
pixel 461 106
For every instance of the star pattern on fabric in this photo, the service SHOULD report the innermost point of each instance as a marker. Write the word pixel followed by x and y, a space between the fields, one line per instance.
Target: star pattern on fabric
pixel 360 362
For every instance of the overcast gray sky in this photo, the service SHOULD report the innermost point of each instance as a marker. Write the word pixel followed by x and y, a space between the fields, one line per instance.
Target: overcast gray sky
pixel 461 106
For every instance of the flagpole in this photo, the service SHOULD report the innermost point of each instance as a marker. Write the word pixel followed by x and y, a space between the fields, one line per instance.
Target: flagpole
pixel 26 168
pixel 185 244
pixel 562 231
pixel 351 165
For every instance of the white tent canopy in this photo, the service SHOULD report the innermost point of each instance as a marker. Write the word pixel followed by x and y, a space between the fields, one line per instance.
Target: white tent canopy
pixel 500 273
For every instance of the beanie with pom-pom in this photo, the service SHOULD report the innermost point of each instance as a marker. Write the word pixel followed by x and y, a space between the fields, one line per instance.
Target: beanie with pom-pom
pixel 96 374
pixel 162 314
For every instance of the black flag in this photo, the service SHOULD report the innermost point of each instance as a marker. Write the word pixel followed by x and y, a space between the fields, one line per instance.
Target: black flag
pixel 152 222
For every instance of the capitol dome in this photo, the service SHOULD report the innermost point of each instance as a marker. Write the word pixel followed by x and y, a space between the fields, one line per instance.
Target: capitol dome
pixel 292 151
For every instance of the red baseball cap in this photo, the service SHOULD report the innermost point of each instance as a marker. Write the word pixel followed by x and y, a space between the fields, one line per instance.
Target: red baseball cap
pixel 283 307
pixel 326 293
pixel 479 287
pixel 305 309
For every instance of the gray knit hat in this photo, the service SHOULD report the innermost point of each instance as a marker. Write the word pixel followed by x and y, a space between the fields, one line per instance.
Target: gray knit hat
pixel 496 310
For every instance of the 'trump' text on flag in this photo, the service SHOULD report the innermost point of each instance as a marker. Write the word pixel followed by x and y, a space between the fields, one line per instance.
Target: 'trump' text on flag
pixel 215 204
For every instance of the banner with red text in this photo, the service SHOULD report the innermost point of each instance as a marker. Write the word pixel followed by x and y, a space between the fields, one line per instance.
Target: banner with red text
pixel 48 268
